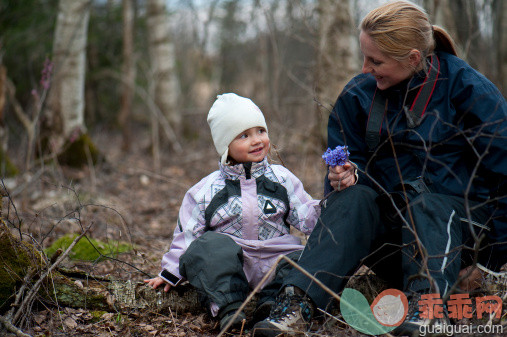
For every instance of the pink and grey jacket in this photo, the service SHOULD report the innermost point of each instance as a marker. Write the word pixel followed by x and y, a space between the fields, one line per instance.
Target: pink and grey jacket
pixel 254 205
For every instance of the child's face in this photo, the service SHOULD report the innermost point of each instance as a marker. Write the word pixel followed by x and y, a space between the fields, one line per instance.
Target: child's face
pixel 252 145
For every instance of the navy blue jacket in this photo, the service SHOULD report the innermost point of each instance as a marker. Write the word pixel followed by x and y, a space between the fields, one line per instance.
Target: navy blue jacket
pixel 460 145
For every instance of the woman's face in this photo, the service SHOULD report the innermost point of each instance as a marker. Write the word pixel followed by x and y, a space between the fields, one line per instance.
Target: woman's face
pixel 387 70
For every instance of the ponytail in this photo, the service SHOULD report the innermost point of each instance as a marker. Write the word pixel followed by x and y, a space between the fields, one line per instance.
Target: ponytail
pixel 443 41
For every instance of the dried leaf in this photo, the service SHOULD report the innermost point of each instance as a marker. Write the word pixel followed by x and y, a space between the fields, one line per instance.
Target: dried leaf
pixel 70 323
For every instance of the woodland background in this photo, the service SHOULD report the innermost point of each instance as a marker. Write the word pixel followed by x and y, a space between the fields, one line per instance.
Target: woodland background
pixel 103 110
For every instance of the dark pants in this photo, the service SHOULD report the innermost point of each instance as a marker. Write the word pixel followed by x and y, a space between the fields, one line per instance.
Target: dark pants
pixel 213 264
pixel 350 233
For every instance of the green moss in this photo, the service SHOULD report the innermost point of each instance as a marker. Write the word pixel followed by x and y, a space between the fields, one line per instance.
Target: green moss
pixel 70 295
pixel 17 257
pixel 78 152
pixel 97 315
pixel 88 249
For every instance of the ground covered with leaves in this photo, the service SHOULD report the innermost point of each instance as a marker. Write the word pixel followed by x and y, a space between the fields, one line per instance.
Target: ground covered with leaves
pixel 126 203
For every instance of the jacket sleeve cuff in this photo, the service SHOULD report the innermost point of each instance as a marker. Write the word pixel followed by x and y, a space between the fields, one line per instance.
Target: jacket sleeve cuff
pixel 170 278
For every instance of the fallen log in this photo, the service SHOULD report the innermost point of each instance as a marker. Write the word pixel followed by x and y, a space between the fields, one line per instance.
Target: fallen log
pixel 77 289
pixel 111 294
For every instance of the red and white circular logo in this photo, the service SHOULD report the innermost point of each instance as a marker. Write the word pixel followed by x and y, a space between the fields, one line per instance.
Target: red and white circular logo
pixel 390 307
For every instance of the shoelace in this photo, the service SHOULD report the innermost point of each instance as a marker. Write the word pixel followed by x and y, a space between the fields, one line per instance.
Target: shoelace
pixel 413 310
pixel 279 310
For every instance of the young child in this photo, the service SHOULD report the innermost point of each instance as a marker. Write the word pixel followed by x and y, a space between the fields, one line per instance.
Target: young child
pixel 235 222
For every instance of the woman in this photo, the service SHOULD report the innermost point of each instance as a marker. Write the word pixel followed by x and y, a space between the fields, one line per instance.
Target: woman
pixel 426 180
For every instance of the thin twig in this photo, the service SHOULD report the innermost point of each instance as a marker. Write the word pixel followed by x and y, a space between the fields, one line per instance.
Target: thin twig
pixel 11 328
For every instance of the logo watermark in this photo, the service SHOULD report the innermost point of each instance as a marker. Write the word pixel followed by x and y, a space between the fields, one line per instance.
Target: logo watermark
pixel 466 329
pixel 390 307
pixel 387 311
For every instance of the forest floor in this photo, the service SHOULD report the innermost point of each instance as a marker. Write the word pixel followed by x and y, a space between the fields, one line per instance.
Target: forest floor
pixel 124 199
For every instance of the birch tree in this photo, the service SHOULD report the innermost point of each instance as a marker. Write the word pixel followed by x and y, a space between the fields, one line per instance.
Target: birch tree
pixel 164 87
pixel 64 126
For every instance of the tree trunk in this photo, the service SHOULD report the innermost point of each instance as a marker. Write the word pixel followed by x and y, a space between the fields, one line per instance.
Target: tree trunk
pixel 6 167
pixel 465 15
pixel 337 57
pixel 129 71
pixel 165 87
pixel 63 122
pixel 66 96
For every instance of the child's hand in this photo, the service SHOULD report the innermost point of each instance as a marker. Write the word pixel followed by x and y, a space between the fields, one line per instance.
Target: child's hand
pixel 156 282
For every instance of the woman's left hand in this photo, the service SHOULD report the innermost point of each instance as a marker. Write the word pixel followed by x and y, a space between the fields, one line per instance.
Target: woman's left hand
pixel 341 177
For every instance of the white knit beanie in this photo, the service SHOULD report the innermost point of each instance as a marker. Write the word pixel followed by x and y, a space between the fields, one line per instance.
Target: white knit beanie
pixel 228 117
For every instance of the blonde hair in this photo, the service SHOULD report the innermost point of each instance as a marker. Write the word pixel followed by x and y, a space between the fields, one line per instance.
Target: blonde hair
pixel 399 27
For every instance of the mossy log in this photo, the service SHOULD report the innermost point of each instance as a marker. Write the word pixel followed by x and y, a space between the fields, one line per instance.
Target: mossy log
pixel 123 296
pixel 78 290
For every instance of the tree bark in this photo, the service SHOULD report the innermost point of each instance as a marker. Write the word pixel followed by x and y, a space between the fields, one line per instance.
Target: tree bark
pixel 165 87
pixel 129 71
pixel 63 120
pixel 65 106
pixel 6 167
pixel 465 16
pixel 337 57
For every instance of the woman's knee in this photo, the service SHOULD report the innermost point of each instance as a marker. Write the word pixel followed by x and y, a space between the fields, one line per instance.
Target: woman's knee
pixel 435 203
pixel 355 206
pixel 357 194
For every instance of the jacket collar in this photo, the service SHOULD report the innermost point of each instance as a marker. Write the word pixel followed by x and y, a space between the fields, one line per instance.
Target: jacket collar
pixel 245 170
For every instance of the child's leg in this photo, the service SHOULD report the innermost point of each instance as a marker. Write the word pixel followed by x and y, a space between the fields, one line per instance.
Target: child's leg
pixel 268 294
pixel 271 290
pixel 213 264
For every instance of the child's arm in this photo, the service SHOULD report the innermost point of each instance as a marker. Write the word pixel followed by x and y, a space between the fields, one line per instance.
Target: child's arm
pixel 304 210
pixel 191 225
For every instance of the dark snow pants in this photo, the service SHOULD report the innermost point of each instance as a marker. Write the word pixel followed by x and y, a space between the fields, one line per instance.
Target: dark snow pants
pixel 350 233
pixel 213 264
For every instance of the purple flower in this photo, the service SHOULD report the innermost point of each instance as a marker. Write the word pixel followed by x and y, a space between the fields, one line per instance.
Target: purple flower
pixel 336 157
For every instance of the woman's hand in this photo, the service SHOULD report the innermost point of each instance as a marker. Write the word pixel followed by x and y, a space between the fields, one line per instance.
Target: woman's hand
pixel 156 282
pixel 342 177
